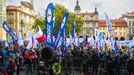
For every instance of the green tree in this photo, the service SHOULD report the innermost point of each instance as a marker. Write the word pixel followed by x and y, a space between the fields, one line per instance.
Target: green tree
pixel 39 22
pixel 59 14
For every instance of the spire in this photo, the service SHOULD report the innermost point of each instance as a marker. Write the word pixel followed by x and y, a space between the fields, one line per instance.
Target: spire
pixel 77 8
pixel 96 11
pixel 77 3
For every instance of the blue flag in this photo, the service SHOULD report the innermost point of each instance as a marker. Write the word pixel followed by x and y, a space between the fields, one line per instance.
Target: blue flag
pixel 64 39
pixel 7 29
pixel 49 24
pixel 73 28
pixel 116 46
pixel 60 31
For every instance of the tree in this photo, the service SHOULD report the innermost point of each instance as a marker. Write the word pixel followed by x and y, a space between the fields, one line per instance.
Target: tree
pixel 59 14
pixel 39 21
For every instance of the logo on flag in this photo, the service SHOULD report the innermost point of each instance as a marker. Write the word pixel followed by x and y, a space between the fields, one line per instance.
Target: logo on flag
pixel 49 15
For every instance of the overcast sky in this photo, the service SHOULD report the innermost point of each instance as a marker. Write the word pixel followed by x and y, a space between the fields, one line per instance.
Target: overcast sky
pixel 114 8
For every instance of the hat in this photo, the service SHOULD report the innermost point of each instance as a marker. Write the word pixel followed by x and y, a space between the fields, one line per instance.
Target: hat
pixel 12 55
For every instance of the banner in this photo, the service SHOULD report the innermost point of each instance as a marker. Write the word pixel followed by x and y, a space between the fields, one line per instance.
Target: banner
pixel 7 29
pixel 49 24
pixel 63 24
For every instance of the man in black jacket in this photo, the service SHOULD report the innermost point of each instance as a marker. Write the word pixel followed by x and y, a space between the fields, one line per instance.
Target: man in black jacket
pixel 130 66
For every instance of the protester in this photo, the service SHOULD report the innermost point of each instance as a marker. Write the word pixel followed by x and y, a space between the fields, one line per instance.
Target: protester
pixel 130 65
pixel 41 68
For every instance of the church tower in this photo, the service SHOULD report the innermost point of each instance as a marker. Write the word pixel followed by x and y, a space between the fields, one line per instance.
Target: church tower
pixel 77 8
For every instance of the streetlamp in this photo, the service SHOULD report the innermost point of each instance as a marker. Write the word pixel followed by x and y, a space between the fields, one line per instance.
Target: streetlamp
pixel 22 28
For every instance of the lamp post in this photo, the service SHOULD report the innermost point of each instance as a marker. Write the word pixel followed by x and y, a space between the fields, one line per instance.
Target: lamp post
pixel 22 28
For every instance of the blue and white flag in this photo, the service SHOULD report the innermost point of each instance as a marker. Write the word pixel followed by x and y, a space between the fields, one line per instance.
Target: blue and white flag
pixel 49 24
pixel 20 40
pixel 64 39
pixel 116 46
pixel 7 29
pixel 73 29
pixel 109 26
pixel 96 34
pixel 63 25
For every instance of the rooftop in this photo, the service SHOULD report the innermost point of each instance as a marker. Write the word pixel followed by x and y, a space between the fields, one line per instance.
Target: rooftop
pixel 115 23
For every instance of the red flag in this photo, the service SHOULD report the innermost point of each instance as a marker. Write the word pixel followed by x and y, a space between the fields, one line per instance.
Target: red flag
pixel 41 39
pixel 40 36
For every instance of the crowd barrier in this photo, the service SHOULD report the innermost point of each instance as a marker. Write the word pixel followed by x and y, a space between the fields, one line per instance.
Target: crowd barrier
pixel 79 67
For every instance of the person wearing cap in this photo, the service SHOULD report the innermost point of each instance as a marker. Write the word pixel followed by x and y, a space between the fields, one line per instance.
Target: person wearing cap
pixel 10 65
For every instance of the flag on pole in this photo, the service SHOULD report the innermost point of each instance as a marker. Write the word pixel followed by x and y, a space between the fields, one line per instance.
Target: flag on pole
pixel 73 29
pixel 40 37
pixel 116 46
pixel 64 39
pixel 97 38
pixel 61 29
pixel 49 24
pixel 109 26
pixel 96 34
pixel 7 29
pixel 85 42
pixel 20 40
pixel 31 41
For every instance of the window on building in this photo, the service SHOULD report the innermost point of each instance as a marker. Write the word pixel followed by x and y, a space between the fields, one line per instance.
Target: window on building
pixel 124 33
pixel 133 23
pixel 124 28
pixel 129 23
pixel 11 16
pixel 0 20
pixel 115 28
pixel 87 22
pixel 115 33
pixel 0 7
pixel 133 31
pixel 103 28
pixel 120 33
pixel 120 28
pixel 93 24
pixel 129 30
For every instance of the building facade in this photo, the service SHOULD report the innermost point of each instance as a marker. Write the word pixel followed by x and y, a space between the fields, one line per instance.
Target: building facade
pixel 90 20
pixel 129 17
pixel 119 26
pixel 20 18
pixel 2 18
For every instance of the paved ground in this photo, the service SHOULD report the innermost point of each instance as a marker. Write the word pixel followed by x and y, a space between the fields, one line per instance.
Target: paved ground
pixel 73 73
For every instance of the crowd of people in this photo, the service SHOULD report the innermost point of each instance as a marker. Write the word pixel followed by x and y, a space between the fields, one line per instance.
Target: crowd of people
pixel 88 60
